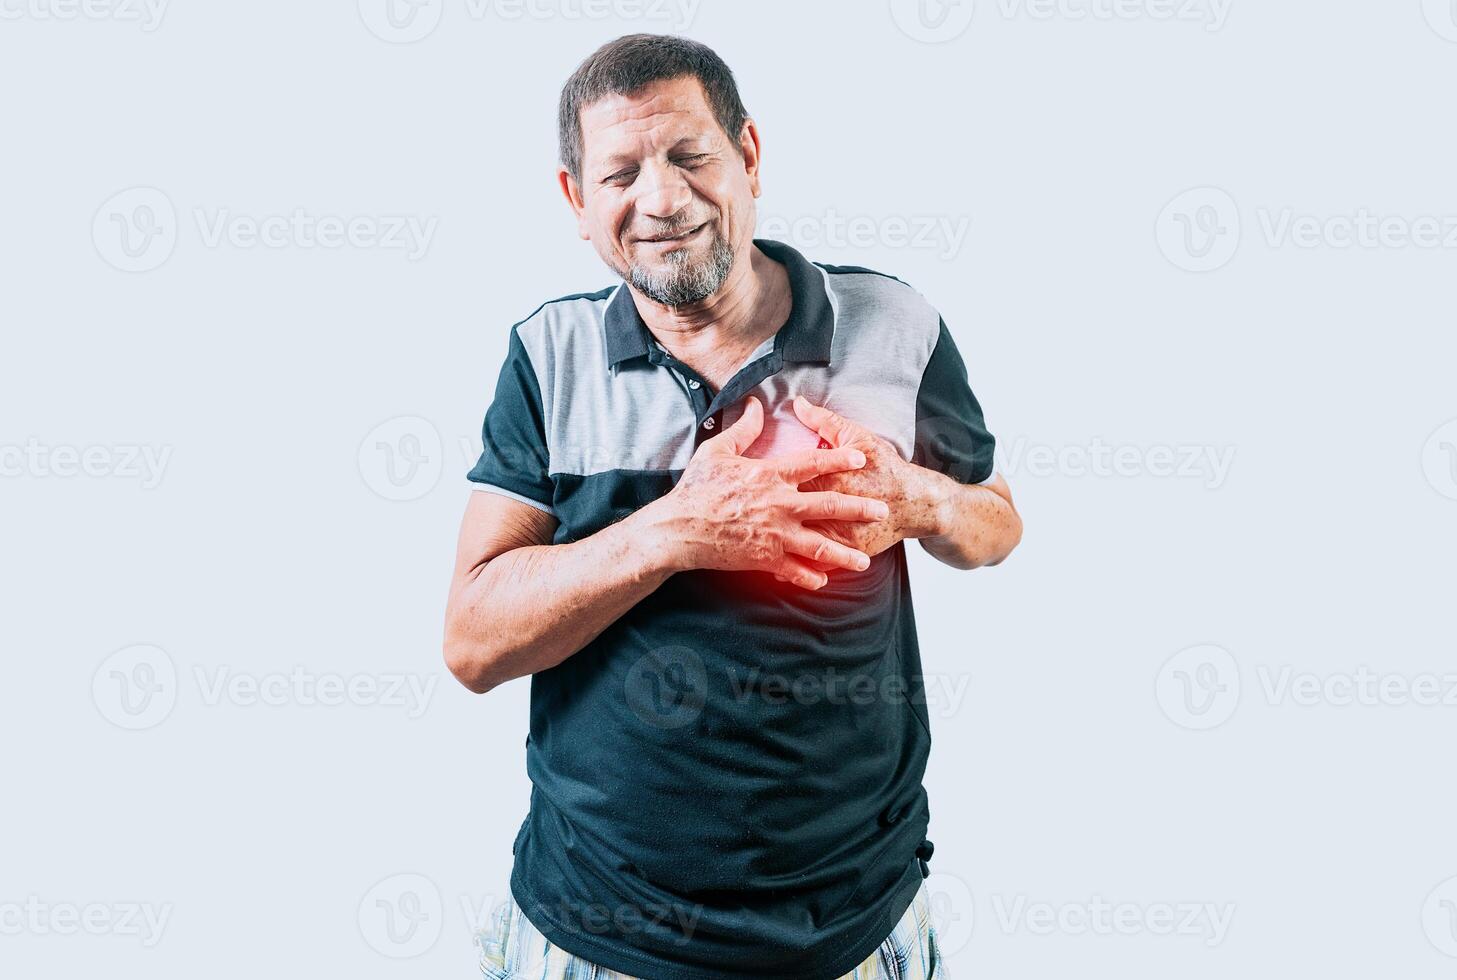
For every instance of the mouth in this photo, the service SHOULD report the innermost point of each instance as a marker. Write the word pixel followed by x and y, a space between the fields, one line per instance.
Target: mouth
pixel 677 239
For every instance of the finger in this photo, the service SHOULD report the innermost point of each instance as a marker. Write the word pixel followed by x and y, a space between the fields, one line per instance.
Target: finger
pixel 832 427
pixel 741 435
pixel 831 505
pixel 804 466
pixel 791 569
pixel 814 545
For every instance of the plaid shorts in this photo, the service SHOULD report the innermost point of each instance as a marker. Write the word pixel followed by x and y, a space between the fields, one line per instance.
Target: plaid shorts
pixel 512 949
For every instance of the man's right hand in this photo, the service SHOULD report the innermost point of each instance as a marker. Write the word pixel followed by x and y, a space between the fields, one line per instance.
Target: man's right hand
pixel 734 513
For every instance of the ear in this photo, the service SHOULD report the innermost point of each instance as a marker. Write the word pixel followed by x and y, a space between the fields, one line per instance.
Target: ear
pixel 751 150
pixel 573 193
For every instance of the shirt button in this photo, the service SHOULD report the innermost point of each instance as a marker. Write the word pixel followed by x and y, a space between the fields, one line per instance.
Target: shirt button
pixel 694 384
pixel 708 423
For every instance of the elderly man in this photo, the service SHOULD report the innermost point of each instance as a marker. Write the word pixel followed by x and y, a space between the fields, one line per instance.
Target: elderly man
pixel 696 484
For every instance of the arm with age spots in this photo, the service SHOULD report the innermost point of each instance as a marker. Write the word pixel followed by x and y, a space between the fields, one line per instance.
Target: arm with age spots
pixel 964 526
pixel 519 604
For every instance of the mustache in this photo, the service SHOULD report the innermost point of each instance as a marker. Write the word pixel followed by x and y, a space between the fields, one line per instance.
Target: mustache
pixel 660 228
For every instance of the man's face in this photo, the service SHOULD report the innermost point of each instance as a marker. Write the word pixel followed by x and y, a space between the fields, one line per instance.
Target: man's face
pixel 666 198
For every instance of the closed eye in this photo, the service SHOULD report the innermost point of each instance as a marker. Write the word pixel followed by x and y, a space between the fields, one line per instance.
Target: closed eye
pixel 628 174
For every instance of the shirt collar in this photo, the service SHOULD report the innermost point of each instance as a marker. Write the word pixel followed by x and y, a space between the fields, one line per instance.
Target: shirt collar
pixel 806 336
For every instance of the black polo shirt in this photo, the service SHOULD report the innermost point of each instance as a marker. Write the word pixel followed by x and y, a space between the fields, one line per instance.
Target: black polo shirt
pixel 727 781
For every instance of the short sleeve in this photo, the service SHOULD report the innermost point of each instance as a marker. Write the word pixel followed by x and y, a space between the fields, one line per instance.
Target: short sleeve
pixel 951 435
pixel 514 455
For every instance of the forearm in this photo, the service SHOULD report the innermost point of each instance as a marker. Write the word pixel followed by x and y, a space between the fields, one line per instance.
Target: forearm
pixel 968 526
pixel 530 608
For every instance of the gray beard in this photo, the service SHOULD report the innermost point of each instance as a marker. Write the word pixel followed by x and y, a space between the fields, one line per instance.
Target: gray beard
pixel 685 282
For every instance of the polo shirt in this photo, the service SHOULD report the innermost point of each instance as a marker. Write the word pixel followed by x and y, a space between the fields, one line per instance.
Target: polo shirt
pixel 726 782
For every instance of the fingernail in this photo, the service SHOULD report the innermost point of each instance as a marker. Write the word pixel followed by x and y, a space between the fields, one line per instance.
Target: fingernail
pixel 858 458
pixel 880 510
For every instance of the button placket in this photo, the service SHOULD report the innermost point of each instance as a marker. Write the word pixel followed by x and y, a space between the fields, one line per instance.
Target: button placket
pixel 742 383
pixel 708 408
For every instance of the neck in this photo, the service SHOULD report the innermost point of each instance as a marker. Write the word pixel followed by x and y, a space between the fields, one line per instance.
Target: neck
pixel 750 306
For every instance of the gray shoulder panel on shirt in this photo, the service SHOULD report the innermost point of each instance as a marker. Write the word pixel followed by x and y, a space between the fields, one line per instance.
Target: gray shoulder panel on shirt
pixel 637 418
pixel 885 333
pixel 598 420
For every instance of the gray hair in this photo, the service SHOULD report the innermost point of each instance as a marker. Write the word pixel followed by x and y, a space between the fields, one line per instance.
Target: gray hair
pixel 631 63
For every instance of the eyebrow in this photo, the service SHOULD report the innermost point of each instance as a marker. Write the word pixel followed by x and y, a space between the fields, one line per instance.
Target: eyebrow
pixel 613 161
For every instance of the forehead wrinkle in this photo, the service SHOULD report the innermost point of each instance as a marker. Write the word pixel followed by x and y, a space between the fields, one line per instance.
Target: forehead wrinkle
pixel 662 118
pixel 658 98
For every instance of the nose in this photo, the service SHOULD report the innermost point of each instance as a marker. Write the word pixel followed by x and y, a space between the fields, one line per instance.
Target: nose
pixel 664 192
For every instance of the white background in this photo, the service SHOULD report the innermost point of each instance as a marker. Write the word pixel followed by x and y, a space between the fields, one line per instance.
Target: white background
pixel 1120 331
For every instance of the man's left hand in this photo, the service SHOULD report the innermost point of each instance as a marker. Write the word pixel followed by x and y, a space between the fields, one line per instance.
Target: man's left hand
pixel 886 476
